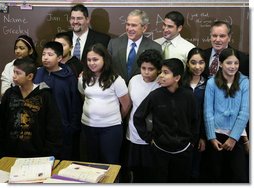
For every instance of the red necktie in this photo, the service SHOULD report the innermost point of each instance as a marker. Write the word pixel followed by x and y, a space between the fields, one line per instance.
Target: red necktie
pixel 214 65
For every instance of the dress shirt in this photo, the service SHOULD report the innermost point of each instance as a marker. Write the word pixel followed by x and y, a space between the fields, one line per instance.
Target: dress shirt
pixel 82 42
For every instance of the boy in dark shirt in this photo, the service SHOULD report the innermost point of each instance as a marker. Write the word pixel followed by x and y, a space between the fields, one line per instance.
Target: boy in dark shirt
pixel 64 84
pixel 30 122
pixel 174 131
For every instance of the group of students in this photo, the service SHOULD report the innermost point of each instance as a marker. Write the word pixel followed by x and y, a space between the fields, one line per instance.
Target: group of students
pixel 168 122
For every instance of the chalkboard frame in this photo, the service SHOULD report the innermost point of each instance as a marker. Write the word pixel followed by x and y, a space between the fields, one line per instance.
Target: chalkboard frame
pixel 140 3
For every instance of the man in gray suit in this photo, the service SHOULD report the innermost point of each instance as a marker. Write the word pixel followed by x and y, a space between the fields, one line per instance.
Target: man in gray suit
pixel 120 48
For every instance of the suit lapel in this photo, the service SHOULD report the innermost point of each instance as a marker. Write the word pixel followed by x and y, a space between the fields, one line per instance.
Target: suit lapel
pixel 89 41
pixel 122 54
pixel 141 48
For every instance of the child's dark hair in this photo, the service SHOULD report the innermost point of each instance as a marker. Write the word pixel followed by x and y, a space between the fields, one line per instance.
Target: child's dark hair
pixel 152 56
pixel 220 81
pixel 27 65
pixel 175 66
pixel 56 46
pixel 28 41
pixel 187 77
pixel 107 76
pixel 66 36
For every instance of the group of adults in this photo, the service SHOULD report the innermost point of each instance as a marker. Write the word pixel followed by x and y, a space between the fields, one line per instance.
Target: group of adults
pixel 210 157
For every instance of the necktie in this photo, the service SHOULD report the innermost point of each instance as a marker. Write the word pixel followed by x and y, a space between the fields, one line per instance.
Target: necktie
pixel 131 58
pixel 166 49
pixel 214 65
pixel 76 51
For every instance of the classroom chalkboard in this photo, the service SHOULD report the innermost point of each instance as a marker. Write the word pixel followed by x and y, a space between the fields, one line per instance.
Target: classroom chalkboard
pixel 42 23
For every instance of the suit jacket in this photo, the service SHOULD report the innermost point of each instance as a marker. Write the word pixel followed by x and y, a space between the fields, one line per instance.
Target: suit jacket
pixel 118 48
pixel 243 58
pixel 93 37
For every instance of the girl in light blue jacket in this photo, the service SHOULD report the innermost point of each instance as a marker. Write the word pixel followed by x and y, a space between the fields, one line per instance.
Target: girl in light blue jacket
pixel 226 113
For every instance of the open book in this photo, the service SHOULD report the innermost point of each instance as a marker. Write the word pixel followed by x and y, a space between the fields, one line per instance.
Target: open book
pixel 30 170
pixel 84 172
pixel 61 179
pixel 4 176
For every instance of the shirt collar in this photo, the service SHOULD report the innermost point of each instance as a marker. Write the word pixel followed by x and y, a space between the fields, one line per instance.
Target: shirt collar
pixel 173 41
pixel 137 42
pixel 214 52
pixel 82 37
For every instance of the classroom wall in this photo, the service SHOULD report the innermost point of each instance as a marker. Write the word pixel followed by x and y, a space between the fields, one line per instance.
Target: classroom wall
pixel 42 23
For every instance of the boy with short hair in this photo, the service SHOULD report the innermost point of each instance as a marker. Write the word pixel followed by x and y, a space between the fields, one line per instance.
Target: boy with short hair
pixel 139 152
pixel 30 122
pixel 174 129
pixel 63 82
pixel 72 61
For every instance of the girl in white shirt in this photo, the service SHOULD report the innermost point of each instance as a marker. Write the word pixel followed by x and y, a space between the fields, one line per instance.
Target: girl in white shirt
pixel 106 103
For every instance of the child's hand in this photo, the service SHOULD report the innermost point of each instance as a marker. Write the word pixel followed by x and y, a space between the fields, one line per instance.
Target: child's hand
pixel 229 144
pixel 80 75
pixel 201 145
pixel 216 145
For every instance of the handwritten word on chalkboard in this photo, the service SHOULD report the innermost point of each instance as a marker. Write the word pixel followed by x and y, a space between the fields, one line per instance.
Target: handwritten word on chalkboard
pixel 15 25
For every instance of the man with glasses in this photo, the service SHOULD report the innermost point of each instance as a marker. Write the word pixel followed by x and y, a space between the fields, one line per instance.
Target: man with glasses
pixel 173 45
pixel 81 34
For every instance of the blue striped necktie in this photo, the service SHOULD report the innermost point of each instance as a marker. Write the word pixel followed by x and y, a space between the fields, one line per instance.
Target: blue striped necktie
pixel 76 51
pixel 131 58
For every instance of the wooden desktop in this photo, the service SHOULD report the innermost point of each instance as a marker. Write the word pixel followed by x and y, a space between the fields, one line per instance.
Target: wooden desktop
pixel 7 162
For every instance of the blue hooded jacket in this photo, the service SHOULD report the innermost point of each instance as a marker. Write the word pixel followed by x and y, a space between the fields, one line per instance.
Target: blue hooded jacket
pixel 64 89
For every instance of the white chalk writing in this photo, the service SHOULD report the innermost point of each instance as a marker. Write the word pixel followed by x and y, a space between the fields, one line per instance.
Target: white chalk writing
pixel 9 19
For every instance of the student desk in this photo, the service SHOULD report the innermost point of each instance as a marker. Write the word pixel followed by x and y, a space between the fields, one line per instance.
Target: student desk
pixel 7 162
pixel 110 177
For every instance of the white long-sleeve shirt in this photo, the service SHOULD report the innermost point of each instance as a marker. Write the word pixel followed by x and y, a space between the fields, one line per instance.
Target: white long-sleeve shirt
pixel 6 77
pixel 179 48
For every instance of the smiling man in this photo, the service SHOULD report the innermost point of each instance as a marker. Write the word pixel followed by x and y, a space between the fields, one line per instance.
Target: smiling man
pixel 134 41
pixel 220 37
pixel 173 45
pixel 81 33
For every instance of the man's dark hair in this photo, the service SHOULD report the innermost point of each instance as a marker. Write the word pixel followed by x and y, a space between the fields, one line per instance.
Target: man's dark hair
pixel 81 8
pixel 176 17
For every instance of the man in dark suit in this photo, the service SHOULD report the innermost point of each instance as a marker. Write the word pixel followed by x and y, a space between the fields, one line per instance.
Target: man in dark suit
pixel 136 25
pixel 220 36
pixel 79 22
